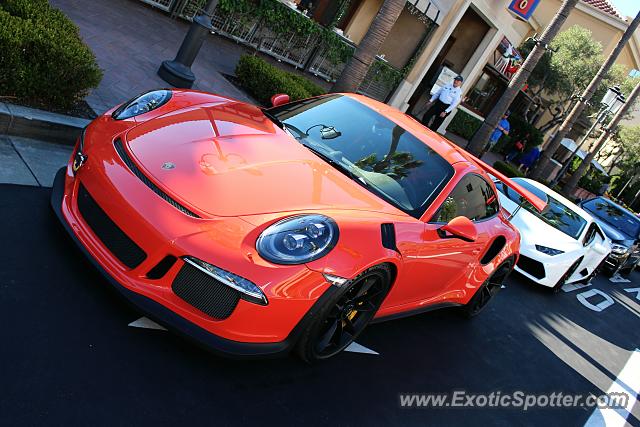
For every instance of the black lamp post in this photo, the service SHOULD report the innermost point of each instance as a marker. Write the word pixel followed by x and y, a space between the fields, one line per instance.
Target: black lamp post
pixel 178 72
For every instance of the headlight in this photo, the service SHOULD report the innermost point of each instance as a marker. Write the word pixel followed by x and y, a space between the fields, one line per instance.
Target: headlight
pixel 142 104
pixel 619 249
pixel 249 291
pixel 549 251
pixel 298 239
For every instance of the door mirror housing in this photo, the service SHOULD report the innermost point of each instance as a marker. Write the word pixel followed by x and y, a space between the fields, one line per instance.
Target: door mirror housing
pixel 280 99
pixel 460 227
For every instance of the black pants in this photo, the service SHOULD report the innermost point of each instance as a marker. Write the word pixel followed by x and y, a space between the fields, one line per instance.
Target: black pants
pixel 435 110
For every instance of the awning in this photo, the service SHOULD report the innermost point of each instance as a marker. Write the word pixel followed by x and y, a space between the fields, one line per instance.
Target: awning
pixel 428 8
pixel 571 145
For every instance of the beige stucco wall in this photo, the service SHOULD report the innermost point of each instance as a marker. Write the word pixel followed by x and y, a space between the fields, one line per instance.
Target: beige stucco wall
pixel 362 20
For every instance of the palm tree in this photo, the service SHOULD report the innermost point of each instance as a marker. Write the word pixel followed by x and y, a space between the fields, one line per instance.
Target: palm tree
pixel 481 137
pixel 577 110
pixel 626 107
pixel 358 65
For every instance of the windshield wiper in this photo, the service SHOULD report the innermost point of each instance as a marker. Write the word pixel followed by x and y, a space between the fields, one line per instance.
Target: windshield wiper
pixel 336 164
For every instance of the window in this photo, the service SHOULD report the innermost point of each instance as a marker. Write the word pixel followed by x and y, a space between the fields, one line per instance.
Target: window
pixel 472 197
pixel 615 216
pixel 556 214
pixel 369 148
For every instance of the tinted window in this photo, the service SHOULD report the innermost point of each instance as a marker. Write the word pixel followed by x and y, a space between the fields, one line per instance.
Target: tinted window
pixel 371 149
pixel 613 215
pixel 556 214
pixel 472 197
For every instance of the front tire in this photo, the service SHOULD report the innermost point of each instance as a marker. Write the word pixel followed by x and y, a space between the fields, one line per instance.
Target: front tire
pixel 343 318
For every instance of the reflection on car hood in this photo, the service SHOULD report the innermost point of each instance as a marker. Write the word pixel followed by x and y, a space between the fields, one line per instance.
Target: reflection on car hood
pixel 613 233
pixel 228 159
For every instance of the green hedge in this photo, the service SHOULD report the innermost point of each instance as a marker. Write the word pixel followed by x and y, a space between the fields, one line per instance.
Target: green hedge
pixel 43 61
pixel 507 169
pixel 464 124
pixel 519 129
pixel 262 80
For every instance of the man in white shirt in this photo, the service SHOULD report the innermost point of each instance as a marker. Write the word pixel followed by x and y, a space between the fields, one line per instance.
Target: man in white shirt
pixel 446 99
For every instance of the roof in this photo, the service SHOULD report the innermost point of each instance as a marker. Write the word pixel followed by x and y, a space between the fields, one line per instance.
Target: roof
pixel 605 6
pixel 570 145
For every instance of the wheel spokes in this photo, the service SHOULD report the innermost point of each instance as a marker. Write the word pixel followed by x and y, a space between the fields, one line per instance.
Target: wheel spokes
pixel 365 287
pixel 326 338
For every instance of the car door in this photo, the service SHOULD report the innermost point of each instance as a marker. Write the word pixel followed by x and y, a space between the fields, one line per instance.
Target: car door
pixel 592 258
pixel 446 263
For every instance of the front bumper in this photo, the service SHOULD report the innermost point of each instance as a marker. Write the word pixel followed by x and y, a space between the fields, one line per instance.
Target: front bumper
pixel 615 262
pixel 189 321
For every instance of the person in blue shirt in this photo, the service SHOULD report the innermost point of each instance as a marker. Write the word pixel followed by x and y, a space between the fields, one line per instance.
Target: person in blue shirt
pixel 503 129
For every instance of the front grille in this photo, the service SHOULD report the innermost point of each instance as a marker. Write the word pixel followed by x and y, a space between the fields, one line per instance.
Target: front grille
pixel 146 181
pixel 118 243
pixel 531 266
pixel 205 293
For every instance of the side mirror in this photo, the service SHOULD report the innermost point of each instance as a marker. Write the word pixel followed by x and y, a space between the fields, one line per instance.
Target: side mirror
pixel 460 227
pixel 279 99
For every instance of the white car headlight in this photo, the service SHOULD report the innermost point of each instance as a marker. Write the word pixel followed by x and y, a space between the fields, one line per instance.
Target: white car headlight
pixel 142 104
pixel 298 239
pixel 548 251
pixel 619 249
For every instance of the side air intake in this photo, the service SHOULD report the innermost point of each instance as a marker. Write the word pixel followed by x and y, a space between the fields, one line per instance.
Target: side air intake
pixel 388 234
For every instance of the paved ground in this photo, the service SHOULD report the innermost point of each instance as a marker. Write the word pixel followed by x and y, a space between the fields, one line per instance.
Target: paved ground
pixel 130 41
pixel 30 162
pixel 68 356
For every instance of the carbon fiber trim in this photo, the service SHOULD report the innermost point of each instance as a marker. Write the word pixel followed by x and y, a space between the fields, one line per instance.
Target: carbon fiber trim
pixel 146 181
pixel 114 239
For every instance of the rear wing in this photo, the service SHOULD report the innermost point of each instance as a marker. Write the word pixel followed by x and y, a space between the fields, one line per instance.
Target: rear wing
pixel 538 203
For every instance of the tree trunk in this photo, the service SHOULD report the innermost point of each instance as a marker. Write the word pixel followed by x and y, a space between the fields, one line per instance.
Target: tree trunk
pixel 356 69
pixel 573 181
pixel 577 110
pixel 481 137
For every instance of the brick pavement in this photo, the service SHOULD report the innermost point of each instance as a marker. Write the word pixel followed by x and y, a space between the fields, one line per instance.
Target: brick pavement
pixel 130 39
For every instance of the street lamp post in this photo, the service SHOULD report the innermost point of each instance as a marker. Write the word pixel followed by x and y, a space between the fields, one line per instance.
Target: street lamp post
pixel 611 103
pixel 178 72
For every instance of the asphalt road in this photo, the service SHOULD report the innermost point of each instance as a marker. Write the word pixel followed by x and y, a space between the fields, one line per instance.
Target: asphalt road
pixel 68 356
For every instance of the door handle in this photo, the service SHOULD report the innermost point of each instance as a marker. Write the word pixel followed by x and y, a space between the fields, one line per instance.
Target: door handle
pixel 475 251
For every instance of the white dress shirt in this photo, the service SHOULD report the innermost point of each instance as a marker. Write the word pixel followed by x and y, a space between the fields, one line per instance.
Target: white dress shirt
pixel 449 94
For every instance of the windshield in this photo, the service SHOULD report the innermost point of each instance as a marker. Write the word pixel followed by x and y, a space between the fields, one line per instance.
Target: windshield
pixel 556 214
pixel 371 149
pixel 613 215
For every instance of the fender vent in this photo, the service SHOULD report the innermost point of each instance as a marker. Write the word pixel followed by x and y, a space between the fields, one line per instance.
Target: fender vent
pixel 146 181
pixel 584 272
pixel 388 233
pixel 493 250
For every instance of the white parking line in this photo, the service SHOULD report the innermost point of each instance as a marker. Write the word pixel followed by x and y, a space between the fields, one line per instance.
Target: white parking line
pixel 146 323
pixel 354 347
pixel 570 287
pixel 628 382
pixel 619 279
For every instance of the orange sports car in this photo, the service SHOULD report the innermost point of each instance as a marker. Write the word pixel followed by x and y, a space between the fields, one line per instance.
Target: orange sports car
pixel 261 231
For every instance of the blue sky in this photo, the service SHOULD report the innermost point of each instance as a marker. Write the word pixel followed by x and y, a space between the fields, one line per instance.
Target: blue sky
pixel 627 7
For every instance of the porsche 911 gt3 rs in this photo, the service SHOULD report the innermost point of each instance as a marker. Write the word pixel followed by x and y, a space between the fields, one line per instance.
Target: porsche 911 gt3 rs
pixel 259 231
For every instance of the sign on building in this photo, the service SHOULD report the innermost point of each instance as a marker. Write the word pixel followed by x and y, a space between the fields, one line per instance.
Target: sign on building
pixel 523 8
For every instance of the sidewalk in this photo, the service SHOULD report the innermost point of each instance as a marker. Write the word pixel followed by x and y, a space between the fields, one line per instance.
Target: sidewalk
pixel 130 41
pixel 30 162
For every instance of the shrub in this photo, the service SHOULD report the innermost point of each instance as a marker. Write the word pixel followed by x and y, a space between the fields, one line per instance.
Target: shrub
pixel 507 169
pixel 262 80
pixel 520 128
pixel 464 124
pixel 43 61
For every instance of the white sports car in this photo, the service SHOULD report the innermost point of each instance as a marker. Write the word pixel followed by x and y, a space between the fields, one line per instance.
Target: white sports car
pixel 562 244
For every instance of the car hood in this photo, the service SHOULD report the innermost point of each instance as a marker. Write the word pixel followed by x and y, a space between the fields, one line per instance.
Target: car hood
pixel 613 233
pixel 228 159
pixel 535 231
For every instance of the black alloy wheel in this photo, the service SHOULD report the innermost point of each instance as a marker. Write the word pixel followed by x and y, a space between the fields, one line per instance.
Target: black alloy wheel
pixel 346 315
pixel 488 290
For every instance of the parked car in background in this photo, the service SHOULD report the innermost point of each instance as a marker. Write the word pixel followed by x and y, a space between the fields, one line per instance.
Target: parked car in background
pixel 562 244
pixel 623 228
